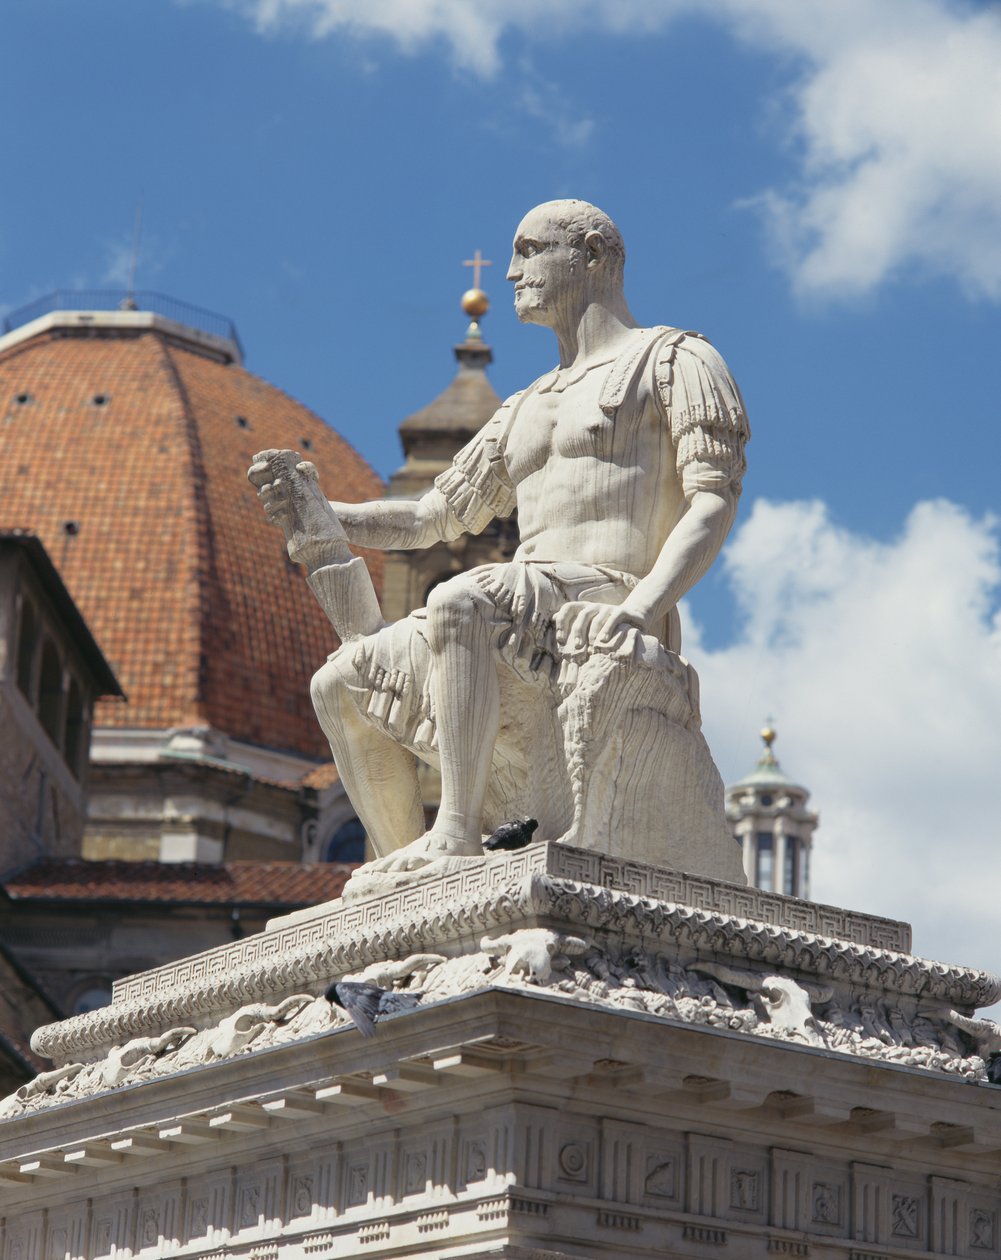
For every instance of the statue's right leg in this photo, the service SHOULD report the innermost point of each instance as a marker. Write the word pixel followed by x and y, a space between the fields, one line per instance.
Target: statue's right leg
pixel 379 774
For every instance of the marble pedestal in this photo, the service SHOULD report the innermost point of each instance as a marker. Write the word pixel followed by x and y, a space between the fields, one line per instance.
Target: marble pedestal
pixel 610 1060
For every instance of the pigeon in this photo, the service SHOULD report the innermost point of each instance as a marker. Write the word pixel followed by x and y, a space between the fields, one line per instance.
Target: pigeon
pixel 364 1003
pixel 511 835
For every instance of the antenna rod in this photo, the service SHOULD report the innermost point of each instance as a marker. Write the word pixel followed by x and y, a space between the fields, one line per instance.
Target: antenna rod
pixel 136 237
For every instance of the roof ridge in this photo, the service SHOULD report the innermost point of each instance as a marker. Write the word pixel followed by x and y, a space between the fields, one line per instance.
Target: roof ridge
pixel 206 552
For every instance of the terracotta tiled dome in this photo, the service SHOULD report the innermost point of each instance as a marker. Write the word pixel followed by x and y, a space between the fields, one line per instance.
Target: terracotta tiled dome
pixel 127 446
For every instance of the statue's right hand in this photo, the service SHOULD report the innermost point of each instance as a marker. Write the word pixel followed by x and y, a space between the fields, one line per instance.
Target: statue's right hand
pixel 269 473
pixel 289 490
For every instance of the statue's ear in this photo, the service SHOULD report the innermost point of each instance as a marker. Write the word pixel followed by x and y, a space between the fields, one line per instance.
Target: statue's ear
pixel 595 247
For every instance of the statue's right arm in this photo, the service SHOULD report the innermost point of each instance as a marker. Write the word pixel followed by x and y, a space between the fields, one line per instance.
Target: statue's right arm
pixel 400 524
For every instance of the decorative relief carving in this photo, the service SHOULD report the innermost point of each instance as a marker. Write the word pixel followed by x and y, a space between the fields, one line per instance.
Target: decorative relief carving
pixel 825 1199
pixel 103 1227
pixel 660 1180
pixel 249 1206
pixel 983 1229
pixel 149 1227
pixel 904 1213
pixel 745 1189
pixel 476 1160
pixel 302 1195
pixel 357 1184
pixel 574 1161
pixel 198 1217
pixel 415 1172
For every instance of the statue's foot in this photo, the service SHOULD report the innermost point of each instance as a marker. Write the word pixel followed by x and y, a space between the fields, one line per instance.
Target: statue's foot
pixel 428 848
pixel 434 853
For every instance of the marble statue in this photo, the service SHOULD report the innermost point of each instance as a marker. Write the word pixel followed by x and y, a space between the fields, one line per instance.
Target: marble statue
pixel 551 686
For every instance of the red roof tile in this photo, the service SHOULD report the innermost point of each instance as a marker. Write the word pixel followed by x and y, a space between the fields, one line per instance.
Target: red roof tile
pixel 279 884
pixel 173 565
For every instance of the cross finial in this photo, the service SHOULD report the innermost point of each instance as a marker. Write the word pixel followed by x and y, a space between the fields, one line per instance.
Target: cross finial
pixel 476 262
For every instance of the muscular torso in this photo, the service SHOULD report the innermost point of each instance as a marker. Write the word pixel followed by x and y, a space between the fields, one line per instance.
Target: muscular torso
pixel 592 489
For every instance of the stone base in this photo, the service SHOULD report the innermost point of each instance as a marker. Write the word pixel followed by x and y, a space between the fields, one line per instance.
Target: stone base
pixel 597 1068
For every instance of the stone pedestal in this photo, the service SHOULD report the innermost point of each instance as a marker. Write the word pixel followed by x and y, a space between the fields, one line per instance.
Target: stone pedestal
pixel 609 1060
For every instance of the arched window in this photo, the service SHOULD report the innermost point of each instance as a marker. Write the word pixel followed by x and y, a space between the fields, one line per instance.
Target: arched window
pixel 443 577
pixel 766 855
pixel 76 730
pixel 27 636
pixel 790 877
pixel 50 693
pixel 347 844
pixel 94 996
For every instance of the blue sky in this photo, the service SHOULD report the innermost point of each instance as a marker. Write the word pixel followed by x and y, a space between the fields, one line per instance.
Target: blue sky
pixel 814 185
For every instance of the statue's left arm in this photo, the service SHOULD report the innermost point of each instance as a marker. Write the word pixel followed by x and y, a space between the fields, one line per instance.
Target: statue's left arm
pixel 708 429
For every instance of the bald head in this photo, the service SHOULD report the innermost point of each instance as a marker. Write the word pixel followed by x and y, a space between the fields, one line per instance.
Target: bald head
pixel 577 219
pixel 567 256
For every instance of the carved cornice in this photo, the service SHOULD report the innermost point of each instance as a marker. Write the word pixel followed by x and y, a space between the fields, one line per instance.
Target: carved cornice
pixel 303 956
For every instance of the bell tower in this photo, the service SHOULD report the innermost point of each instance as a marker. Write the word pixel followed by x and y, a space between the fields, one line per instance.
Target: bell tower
pixel 430 438
pixel 769 816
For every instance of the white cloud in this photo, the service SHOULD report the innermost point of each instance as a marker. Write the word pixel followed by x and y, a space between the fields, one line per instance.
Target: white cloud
pixel 893 113
pixel 897 117
pixel 881 663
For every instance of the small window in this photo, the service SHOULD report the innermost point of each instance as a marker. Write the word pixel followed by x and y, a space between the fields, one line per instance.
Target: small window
pixel 75 750
pixel 23 398
pixel 767 799
pixel 27 636
pixel 347 844
pixel 242 422
pixel 101 400
pixel 50 694
pixel 765 866
pixel 306 444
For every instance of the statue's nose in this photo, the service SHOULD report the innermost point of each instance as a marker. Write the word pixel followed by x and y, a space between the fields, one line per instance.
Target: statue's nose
pixel 514 271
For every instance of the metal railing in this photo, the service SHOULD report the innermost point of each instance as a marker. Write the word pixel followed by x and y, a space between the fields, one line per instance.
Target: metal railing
pixel 120 300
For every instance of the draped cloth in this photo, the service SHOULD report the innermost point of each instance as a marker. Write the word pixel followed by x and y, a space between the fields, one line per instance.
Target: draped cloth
pixel 392 669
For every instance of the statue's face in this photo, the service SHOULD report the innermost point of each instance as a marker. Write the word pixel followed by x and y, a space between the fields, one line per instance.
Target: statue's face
pixel 547 273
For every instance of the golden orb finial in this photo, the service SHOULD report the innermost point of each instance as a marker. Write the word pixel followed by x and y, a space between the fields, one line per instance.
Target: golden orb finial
pixel 768 735
pixel 475 303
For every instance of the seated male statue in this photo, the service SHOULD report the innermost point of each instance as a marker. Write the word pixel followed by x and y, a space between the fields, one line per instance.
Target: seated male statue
pixel 530 682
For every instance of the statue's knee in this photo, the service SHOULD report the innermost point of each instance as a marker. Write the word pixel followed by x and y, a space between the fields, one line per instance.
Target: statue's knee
pixel 331 686
pixel 452 607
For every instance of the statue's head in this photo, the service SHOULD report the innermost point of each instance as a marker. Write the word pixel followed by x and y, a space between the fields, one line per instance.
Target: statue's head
pixel 566 254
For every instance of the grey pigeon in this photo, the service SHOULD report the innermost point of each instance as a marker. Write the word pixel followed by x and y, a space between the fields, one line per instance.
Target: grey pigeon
pixel 511 835
pixel 364 1003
